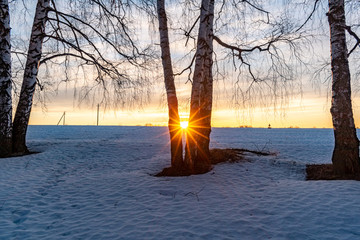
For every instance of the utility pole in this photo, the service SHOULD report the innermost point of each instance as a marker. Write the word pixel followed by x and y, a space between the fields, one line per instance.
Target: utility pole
pixel 63 118
pixel 97 120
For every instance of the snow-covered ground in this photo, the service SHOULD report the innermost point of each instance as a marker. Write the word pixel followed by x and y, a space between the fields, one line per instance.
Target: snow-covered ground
pixel 96 183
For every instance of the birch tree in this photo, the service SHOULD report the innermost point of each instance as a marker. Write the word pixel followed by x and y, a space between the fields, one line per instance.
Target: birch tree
pixel 75 37
pixel 346 152
pixel 197 157
pixel 197 153
pixel 34 55
pixel 345 157
pixel 174 119
pixel 5 81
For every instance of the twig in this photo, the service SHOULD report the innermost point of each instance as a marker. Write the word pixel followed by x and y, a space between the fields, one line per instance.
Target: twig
pixel 309 17
pixel 255 152
pixel 196 194
pixel 259 9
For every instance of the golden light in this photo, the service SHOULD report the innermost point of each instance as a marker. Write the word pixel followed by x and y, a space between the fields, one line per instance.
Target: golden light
pixel 184 124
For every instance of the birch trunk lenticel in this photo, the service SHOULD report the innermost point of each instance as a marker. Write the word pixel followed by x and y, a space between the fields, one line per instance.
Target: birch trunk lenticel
pixel 23 109
pixel 174 119
pixel 5 81
pixel 197 150
pixel 346 152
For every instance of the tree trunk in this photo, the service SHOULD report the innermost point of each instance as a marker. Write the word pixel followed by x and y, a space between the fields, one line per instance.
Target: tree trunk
pixel 197 157
pixel 5 81
pixel 346 152
pixel 29 81
pixel 174 119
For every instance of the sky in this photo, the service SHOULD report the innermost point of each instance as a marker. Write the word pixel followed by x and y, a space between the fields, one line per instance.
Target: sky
pixel 307 111
pixel 307 108
pixel 303 112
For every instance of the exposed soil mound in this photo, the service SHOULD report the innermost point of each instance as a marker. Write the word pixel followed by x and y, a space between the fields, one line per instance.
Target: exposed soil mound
pixel 326 172
pixel 217 156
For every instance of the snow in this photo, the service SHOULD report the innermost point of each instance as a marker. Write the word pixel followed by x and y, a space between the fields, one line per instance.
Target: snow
pixel 96 183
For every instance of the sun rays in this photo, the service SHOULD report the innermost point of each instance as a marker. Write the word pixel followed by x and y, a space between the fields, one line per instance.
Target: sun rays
pixel 186 131
pixel 184 124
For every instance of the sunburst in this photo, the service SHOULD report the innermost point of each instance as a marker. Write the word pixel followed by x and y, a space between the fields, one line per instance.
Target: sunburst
pixel 189 129
pixel 184 124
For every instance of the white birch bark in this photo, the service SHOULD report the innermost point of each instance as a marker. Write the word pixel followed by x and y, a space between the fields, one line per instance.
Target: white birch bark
pixel 174 119
pixel 346 152
pixel 197 154
pixel 5 81
pixel 29 81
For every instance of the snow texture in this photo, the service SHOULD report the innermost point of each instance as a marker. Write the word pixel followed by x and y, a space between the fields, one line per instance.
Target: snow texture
pixel 96 183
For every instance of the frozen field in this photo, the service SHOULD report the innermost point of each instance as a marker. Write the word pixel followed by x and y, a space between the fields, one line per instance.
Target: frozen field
pixel 96 183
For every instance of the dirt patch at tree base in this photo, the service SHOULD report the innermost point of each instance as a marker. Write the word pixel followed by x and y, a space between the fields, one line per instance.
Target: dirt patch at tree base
pixel 13 155
pixel 326 172
pixel 217 155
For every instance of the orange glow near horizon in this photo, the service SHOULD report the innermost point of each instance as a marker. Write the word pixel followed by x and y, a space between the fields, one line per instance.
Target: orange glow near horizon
pixel 302 113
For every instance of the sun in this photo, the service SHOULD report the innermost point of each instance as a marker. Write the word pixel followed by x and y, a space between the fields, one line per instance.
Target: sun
pixel 184 124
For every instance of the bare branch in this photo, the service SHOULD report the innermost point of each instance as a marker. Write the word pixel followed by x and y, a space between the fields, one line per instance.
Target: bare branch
pixel 73 28
pixel 259 9
pixel 187 33
pixel 187 68
pixel 352 33
pixel 310 15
